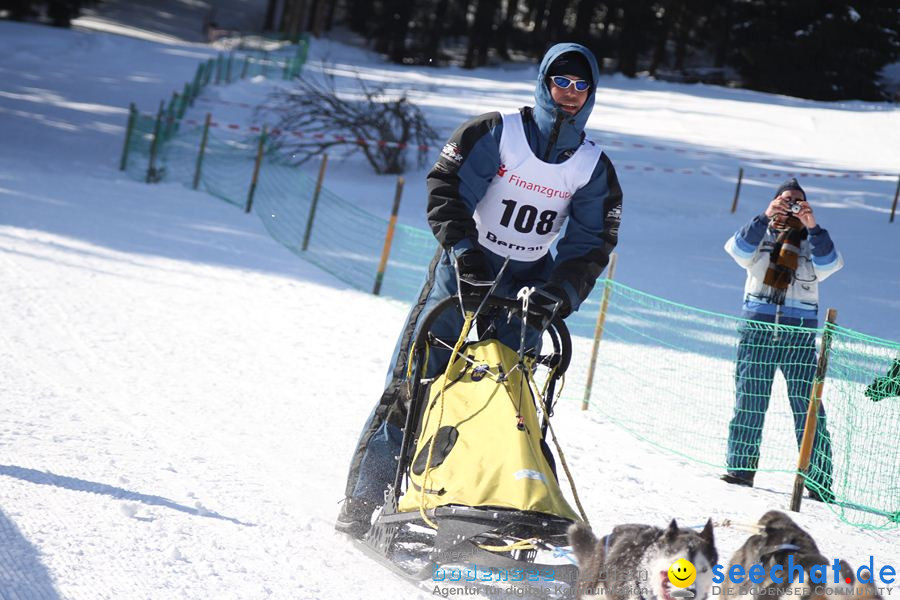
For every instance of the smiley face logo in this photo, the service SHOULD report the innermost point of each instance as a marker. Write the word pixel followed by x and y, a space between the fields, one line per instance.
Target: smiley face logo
pixel 682 573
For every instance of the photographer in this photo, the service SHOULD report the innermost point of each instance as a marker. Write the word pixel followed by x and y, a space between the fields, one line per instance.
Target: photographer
pixel 786 255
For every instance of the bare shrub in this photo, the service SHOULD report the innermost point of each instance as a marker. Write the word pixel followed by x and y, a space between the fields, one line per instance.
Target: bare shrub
pixel 314 118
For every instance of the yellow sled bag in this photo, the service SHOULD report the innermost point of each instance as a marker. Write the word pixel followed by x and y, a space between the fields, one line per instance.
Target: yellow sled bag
pixel 487 449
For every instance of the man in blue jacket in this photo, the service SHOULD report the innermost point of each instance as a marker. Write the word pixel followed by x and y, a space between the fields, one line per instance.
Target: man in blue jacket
pixel 786 254
pixel 503 186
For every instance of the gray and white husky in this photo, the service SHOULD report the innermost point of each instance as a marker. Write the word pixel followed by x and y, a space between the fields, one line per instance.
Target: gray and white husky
pixel 779 540
pixel 632 562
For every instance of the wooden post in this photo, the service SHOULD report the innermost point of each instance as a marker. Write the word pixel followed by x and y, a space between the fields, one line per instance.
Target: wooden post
pixel 812 413
pixel 388 237
pixel 210 65
pixel 287 64
pixel 246 64
pixel 151 167
pixel 265 62
pixel 259 156
pixel 598 330
pixel 313 204
pixel 132 117
pixel 228 68
pixel 737 190
pixel 219 68
pixel 202 152
pixel 896 195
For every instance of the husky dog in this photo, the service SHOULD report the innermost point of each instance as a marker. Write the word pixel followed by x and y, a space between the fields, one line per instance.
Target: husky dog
pixel 780 538
pixel 632 562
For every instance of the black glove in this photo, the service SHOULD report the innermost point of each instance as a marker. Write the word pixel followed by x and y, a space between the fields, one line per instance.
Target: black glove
pixel 473 266
pixel 565 309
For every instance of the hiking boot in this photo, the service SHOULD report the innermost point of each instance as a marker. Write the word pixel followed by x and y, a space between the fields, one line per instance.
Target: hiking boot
pixel 355 517
pixel 822 495
pixel 738 478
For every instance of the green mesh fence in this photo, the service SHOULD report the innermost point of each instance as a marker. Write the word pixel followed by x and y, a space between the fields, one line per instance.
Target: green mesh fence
pixel 712 388
pixel 732 394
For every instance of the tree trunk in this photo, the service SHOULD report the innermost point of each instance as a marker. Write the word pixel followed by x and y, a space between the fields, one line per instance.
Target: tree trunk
pixel 553 32
pixel 723 44
pixel 459 20
pixel 583 19
pixel 659 51
pixel 393 28
pixel 538 34
pixel 329 18
pixel 480 34
pixel 505 29
pixel 433 43
pixel 361 16
pixel 681 37
pixel 318 15
pixel 294 20
pixel 61 12
pixel 628 41
pixel 383 27
pixel 269 23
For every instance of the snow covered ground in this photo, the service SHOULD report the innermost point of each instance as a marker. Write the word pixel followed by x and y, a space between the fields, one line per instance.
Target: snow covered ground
pixel 180 394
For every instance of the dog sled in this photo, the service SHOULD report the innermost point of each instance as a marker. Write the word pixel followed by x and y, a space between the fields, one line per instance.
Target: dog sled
pixel 476 499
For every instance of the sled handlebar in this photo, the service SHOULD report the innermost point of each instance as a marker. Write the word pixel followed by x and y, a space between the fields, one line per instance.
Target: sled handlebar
pixel 539 318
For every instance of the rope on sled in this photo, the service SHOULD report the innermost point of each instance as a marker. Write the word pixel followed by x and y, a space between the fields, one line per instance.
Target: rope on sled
pixel 559 450
pixel 467 324
pixel 520 545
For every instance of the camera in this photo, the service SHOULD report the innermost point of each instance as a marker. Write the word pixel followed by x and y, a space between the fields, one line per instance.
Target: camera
pixel 794 206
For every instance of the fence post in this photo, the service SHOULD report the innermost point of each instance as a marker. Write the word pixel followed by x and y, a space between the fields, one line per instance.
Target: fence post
pixel 185 98
pixel 132 114
pixel 170 115
pixel 896 194
pixel 265 62
pixel 388 237
pixel 313 204
pixel 151 167
pixel 195 85
pixel 199 166
pixel 246 65
pixel 210 65
pixel 812 413
pixel 598 330
pixel 218 68
pixel 259 156
pixel 228 68
pixel 737 190
pixel 287 63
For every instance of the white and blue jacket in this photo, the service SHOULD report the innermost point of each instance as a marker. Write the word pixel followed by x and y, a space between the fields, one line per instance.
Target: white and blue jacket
pixel 817 260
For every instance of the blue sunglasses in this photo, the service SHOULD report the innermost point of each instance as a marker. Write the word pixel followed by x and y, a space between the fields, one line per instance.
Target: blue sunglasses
pixel 564 82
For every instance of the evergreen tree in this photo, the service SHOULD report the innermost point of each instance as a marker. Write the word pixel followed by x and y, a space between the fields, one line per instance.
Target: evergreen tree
pixel 819 49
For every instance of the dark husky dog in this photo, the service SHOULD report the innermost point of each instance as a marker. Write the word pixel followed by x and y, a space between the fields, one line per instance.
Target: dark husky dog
pixel 779 540
pixel 632 562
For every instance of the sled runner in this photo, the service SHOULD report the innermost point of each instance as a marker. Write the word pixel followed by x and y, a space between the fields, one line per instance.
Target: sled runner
pixel 476 483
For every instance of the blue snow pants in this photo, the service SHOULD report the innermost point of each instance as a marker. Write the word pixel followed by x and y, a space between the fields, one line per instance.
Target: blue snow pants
pixel 760 353
pixel 374 463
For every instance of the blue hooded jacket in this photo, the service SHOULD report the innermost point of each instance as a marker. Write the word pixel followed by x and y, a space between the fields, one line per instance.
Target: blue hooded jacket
pixel 471 157
pixel 546 111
